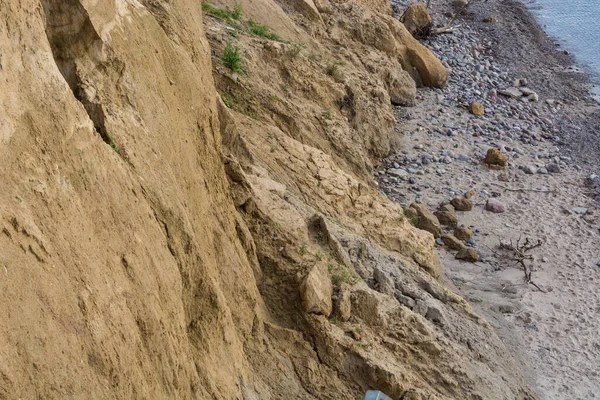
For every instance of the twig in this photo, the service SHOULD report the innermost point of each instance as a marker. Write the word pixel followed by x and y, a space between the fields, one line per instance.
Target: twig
pixel 449 27
pixel 523 189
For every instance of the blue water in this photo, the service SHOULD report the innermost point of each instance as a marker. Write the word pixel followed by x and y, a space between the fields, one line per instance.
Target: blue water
pixel 575 25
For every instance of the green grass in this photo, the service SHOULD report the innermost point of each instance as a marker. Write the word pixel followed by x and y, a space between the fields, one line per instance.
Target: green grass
pixel 326 114
pixel 224 14
pixel 237 12
pixel 231 58
pixel 340 274
pixel 294 50
pixel 261 30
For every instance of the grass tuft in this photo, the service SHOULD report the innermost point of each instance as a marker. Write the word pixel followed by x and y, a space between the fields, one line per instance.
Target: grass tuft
pixel 231 58
pixel 261 30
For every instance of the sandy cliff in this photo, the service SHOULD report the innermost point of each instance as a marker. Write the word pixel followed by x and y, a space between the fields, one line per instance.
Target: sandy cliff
pixel 160 213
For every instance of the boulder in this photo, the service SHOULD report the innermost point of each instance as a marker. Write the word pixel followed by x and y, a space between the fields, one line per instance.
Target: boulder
pixel 417 20
pixel 401 88
pixel 468 254
pixel 476 108
pixel 427 221
pixel 463 233
pixel 495 206
pixel 343 305
pixel 553 168
pixel 496 157
pixel 462 204
pixel 316 291
pixel 446 215
pixel 452 242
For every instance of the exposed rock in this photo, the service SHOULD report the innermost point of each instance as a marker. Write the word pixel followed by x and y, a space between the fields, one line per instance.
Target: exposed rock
pixel 463 233
pixel 446 215
pixel 553 168
pixel 421 307
pixel 427 221
pixel 496 157
pixel 435 314
pixel 476 108
pixel 470 194
pixel 384 283
pixel 530 169
pixel 404 300
pixel 580 210
pixel 511 92
pixel 468 254
pixel 343 305
pixel 452 242
pixel 495 206
pixel 462 204
pixel 316 290
pixel 401 88
pixel 417 20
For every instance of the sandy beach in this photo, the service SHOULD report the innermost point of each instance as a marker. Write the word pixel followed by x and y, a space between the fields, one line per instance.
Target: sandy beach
pixel 548 191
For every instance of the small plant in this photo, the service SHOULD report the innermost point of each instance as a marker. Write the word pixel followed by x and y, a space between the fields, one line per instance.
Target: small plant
pixel 303 249
pixel 294 50
pixel 319 255
pixel 333 70
pixel 340 274
pixel 206 7
pixel 231 58
pixel 261 30
pixel 228 102
pixel 326 114
pixel 237 12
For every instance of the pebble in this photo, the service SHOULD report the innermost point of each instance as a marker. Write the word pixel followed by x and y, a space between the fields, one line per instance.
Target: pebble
pixel 580 210
pixel 494 205
pixel 553 168
pixel 529 169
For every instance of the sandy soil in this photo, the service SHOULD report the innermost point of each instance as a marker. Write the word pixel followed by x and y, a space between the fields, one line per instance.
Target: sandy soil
pixel 553 330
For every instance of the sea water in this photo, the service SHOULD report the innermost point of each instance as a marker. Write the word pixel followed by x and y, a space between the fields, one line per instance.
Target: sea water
pixel 575 26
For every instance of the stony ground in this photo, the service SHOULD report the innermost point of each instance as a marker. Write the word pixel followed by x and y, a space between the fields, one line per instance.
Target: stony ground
pixel 546 192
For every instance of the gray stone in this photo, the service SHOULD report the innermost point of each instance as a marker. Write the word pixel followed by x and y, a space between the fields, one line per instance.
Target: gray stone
pixel 580 210
pixel 404 300
pixel 385 284
pixel 434 314
pixel 511 92
pixel 529 169
pixel 553 168
pixel 495 206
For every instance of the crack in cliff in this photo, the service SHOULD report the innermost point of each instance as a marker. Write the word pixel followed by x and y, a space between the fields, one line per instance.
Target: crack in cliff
pixel 74 42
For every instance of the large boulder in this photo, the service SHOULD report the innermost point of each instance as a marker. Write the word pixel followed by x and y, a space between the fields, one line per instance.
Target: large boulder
pixel 316 291
pixel 401 88
pixel 417 20
pixel 427 221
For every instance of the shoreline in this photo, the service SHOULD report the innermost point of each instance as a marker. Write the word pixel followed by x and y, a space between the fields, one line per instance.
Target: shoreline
pixel 548 189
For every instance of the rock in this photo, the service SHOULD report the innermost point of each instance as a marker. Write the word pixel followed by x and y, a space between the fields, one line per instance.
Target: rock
pixel 462 204
pixel 468 254
pixel 511 92
pixel 343 305
pixel 399 173
pixel 504 176
pixel 446 215
pixel 553 168
pixel 542 171
pixel 496 157
pixel 434 314
pixel 384 283
pixel 529 169
pixel 316 290
pixel 489 20
pixel 404 300
pixel 463 233
pixel 420 307
pixel 427 221
pixel 401 88
pixel 526 91
pixel 476 108
pixel 471 193
pixel 533 97
pixel 452 242
pixel 580 210
pixel 417 20
pixel 495 206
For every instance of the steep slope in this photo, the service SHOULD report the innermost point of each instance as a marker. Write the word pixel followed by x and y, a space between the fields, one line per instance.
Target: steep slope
pixel 155 240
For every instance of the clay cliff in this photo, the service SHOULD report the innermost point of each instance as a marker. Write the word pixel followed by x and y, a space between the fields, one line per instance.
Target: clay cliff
pixel 174 229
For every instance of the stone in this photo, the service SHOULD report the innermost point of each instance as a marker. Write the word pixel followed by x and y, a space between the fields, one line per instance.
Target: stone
pixel 529 169
pixel 434 314
pixel 471 193
pixel 495 206
pixel 476 108
pixel 416 19
pixel 526 91
pixel 401 88
pixel 462 204
pixel 316 290
pixel 468 254
pixel 446 215
pixel 511 92
pixel 580 210
pixel 427 221
pixel 420 307
pixel 399 173
pixel 343 305
pixel 489 20
pixel 404 300
pixel 452 242
pixel 384 283
pixel 504 176
pixel 463 233
pixel 553 168
pixel 496 157
pixel 534 97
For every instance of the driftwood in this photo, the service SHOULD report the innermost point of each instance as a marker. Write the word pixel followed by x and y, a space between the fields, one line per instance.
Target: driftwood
pixel 508 189
pixel 449 28
pixel 518 254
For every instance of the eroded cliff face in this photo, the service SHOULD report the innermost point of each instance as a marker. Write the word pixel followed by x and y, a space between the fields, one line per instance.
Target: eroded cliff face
pixel 155 239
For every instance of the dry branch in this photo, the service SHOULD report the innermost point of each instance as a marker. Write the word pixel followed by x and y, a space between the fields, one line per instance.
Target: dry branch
pixel 449 28
pixel 518 254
